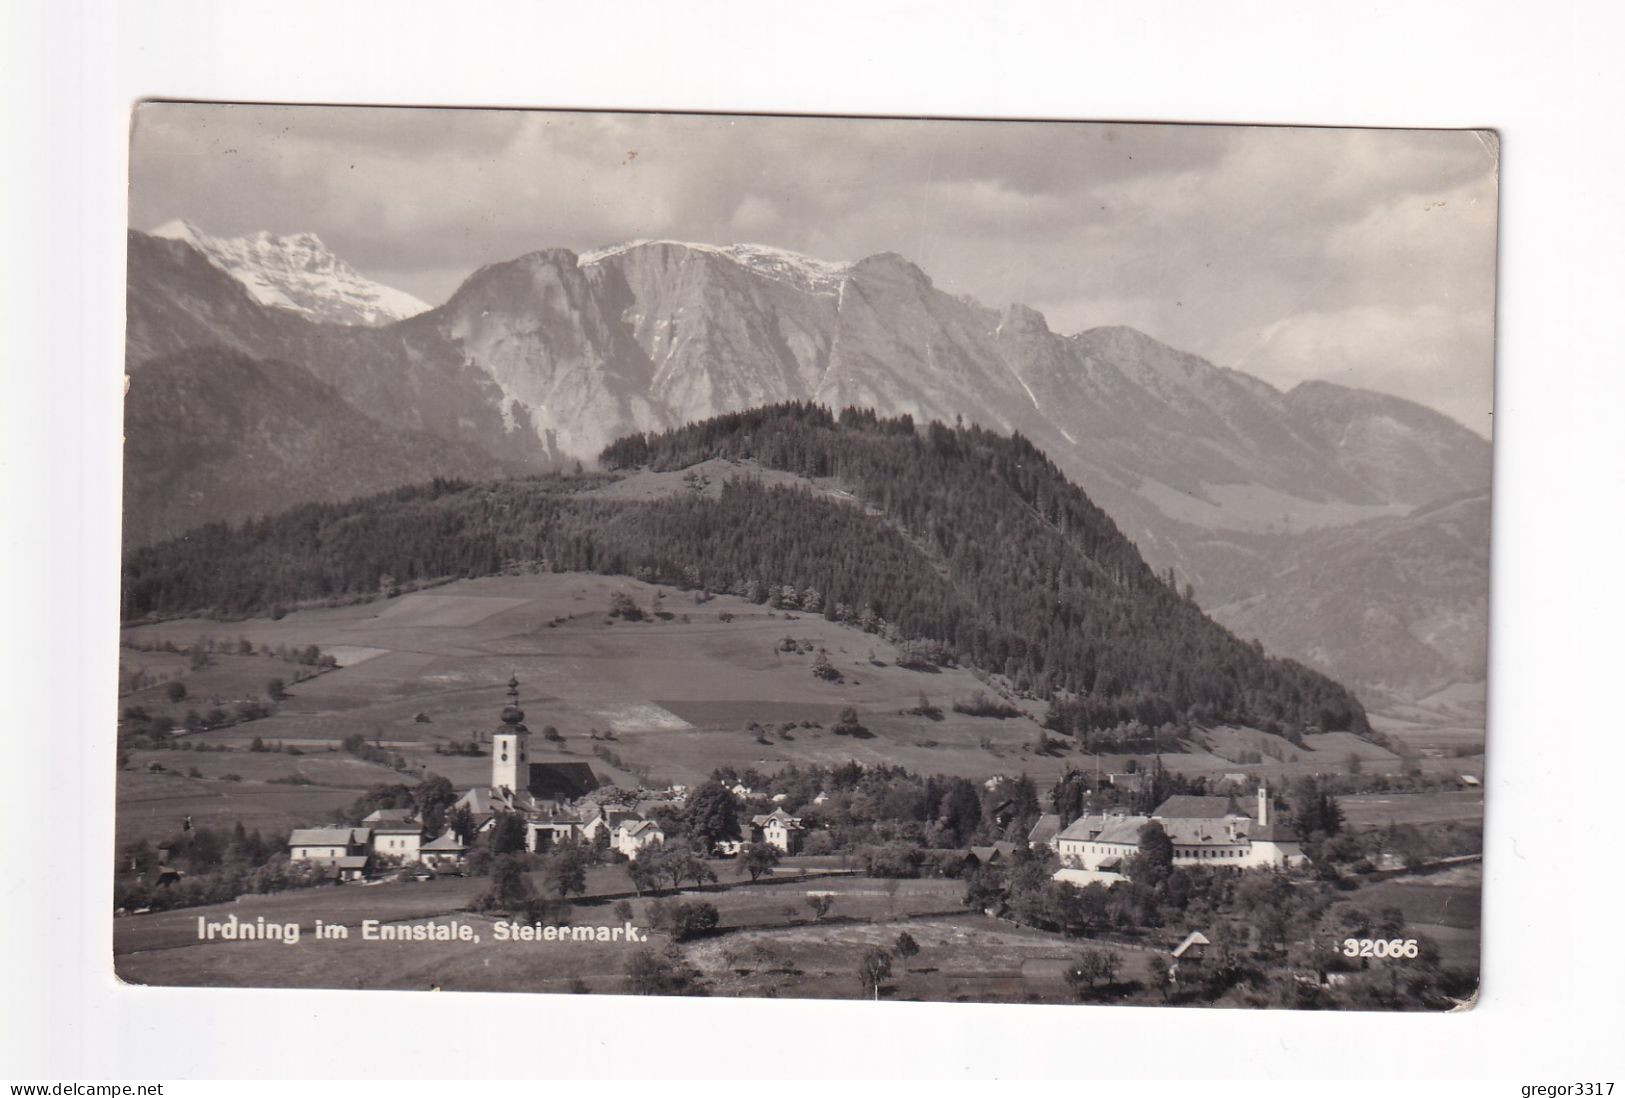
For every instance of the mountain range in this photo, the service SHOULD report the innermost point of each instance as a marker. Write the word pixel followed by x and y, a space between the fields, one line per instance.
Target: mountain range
pixel 1240 489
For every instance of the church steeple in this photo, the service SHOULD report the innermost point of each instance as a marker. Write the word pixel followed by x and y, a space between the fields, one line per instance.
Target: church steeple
pixel 510 753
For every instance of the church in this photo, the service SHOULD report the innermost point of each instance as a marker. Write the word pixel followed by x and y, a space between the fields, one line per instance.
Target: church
pixel 532 789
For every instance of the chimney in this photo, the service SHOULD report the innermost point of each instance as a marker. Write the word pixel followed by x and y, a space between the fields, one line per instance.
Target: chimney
pixel 1263 804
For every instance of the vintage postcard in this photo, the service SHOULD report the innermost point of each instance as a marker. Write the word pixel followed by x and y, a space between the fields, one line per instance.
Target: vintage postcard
pixel 805 557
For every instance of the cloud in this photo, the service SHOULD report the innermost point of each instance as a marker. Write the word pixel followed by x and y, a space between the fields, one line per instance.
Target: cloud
pixel 1280 251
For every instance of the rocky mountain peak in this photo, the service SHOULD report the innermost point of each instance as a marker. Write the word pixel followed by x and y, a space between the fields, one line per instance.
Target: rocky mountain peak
pixel 298 273
pixel 890 267
pixel 1019 319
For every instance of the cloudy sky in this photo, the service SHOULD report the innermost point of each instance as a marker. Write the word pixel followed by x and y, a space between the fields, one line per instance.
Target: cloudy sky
pixel 1364 257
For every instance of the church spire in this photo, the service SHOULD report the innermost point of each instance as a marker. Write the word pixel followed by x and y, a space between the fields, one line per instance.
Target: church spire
pixel 510 762
pixel 511 713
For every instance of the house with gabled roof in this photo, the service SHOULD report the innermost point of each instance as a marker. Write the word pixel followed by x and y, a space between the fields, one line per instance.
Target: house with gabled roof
pixel 380 816
pixel 1043 832
pixel 631 836
pixel 397 840
pixel 446 851
pixel 995 854
pixel 778 828
pixel 606 819
pixel 341 852
pixel 1192 949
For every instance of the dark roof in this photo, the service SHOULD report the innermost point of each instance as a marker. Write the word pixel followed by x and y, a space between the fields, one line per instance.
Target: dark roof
pixel 390 815
pixel 779 815
pixel 1183 807
pixel 1044 828
pixel 1272 833
pixel 562 781
pixel 989 853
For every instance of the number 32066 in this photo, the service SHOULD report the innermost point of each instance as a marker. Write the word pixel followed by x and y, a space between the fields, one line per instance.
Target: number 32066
pixel 1379 947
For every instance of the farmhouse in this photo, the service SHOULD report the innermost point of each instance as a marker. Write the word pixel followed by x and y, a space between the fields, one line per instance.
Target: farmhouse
pixel 340 851
pixel 398 840
pixel 1211 831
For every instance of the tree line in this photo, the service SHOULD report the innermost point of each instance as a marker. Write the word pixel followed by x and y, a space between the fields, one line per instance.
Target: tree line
pixel 964 538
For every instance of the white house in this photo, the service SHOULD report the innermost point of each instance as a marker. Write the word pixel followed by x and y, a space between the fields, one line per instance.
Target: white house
pixel 447 850
pixel 342 851
pixel 397 840
pixel 778 828
pixel 607 820
pixel 543 835
pixel 631 836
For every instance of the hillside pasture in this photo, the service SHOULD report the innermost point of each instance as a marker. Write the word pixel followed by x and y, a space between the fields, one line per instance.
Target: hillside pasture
pixel 668 698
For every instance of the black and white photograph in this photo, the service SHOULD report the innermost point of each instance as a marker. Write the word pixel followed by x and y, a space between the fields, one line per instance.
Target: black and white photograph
pixel 805 557
pixel 680 547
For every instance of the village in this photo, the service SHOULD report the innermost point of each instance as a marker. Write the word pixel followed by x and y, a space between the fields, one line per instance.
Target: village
pixel 775 828
pixel 552 801
pixel 1115 890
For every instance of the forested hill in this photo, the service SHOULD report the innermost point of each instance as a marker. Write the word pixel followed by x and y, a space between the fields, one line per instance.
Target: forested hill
pixel 965 538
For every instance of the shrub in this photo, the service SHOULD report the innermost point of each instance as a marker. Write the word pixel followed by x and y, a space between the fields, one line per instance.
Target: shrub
pixel 849 725
pixel 690 919
pixel 983 704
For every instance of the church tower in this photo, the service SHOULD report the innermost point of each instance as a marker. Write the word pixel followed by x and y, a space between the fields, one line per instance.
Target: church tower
pixel 510 749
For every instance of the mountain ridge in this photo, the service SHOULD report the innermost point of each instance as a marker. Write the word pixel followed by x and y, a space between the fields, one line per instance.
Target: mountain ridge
pixel 545 359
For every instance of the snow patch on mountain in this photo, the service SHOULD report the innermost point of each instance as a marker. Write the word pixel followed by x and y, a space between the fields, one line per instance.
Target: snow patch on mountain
pixel 300 274
pixel 804 272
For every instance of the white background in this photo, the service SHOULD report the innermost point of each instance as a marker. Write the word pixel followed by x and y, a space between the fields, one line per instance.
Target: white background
pixel 1546 76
